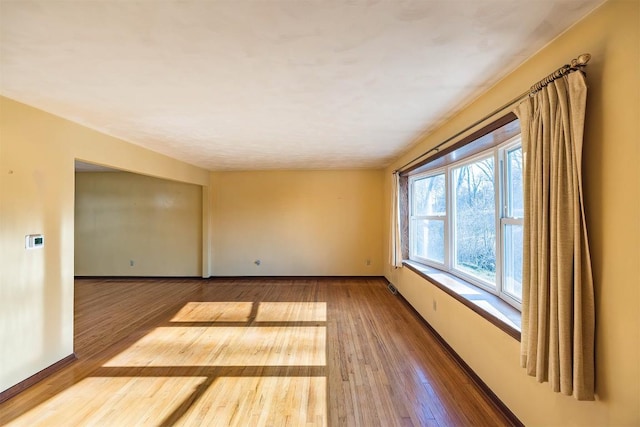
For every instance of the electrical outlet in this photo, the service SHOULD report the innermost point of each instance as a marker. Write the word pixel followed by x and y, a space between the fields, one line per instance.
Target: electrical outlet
pixel 131 263
pixel 257 262
pixel 367 261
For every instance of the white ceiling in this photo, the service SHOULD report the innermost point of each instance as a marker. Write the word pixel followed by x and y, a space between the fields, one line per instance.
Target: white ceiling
pixel 237 85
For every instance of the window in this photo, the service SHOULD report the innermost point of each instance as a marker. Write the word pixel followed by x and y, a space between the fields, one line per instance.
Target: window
pixel 466 217
pixel 474 218
pixel 429 218
pixel 512 222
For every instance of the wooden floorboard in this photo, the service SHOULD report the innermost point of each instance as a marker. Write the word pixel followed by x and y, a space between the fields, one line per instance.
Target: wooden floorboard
pixel 259 352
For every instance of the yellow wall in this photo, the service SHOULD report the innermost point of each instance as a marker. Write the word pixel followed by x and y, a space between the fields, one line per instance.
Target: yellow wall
pixel 123 218
pixel 331 222
pixel 297 223
pixel 37 155
pixel 612 196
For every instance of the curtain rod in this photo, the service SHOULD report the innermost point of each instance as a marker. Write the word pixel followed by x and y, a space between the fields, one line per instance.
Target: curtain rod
pixel 575 65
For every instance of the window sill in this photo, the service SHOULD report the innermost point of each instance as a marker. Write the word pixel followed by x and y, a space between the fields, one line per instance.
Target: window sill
pixel 487 305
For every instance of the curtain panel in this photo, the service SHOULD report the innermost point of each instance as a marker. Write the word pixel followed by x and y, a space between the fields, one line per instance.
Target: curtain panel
pixel 558 313
pixel 395 243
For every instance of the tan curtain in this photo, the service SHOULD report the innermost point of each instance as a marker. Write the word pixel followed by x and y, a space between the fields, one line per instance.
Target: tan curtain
pixel 558 315
pixel 395 249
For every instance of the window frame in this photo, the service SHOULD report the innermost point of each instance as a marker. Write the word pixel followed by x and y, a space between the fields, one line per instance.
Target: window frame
pixel 414 218
pixel 503 151
pixel 499 155
pixel 477 281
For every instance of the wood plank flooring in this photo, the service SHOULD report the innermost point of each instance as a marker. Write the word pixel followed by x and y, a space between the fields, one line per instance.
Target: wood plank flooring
pixel 251 352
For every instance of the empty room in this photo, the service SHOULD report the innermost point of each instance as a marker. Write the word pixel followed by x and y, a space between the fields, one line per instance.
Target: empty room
pixel 320 213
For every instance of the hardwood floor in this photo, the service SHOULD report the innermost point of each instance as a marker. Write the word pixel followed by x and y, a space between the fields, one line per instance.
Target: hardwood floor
pixel 242 352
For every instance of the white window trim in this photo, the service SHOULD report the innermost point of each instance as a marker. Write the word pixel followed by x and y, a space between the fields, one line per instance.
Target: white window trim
pixel 499 155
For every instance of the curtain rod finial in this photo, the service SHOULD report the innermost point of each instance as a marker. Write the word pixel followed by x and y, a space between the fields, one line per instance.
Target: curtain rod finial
pixel 581 60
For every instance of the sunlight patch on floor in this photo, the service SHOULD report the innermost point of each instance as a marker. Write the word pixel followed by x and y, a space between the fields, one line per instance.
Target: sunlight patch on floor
pixel 260 401
pixel 214 311
pixel 120 401
pixel 292 312
pixel 214 364
pixel 227 346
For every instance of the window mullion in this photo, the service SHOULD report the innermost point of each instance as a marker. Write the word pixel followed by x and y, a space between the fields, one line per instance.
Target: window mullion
pixel 448 220
pixel 499 213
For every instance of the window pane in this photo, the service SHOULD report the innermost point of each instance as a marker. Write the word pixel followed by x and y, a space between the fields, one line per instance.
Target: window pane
pixel 429 239
pixel 513 260
pixel 515 197
pixel 475 227
pixel 429 196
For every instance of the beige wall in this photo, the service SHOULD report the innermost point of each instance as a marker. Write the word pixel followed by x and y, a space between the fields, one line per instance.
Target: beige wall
pixel 612 196
pixel 297 223
pixel 37 155
pixel 317 223
pixel 123 218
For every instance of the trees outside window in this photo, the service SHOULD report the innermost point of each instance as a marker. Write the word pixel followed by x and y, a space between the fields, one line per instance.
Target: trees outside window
pixel 475 220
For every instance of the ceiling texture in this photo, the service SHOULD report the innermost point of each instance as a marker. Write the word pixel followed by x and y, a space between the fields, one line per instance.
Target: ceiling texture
pixel 252 85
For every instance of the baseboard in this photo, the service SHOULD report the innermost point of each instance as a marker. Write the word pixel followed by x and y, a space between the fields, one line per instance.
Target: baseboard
pixel 297 277
pixel 213 278
pixel 495 400
pixel 35 378
pixel 140 277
